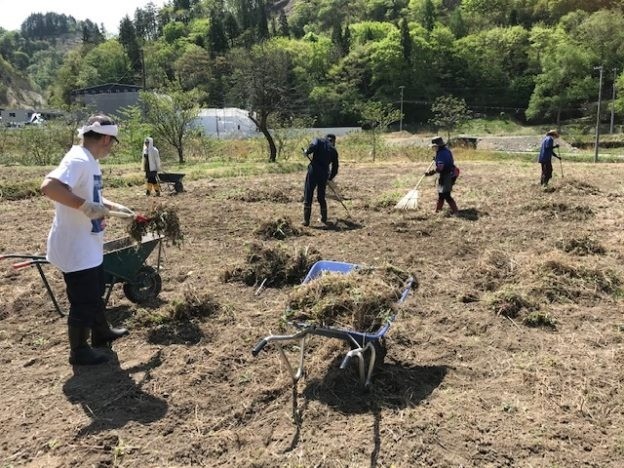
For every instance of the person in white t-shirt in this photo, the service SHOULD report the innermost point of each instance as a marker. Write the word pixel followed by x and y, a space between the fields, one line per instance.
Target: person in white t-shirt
pixel 76 239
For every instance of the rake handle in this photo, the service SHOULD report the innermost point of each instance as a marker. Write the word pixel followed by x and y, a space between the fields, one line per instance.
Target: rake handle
pixel 424 175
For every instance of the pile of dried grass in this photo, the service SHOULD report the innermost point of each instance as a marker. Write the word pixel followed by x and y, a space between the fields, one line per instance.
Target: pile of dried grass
pixel 509 302
pixel 161 221
pixel 280 229
pixel 563 211
pixel 581 246
pixel 274 266
pixel 361 300
pixel 575 186
pixel 194 305
pixel 493 268
pixel 559 281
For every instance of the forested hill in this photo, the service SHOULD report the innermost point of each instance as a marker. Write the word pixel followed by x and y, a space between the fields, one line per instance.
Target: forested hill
pixel 328 59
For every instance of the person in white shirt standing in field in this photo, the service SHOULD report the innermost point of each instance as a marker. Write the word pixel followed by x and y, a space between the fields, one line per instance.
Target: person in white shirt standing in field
pixel 76 239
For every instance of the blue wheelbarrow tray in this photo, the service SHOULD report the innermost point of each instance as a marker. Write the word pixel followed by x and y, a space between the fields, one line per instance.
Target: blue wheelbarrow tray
pixel 364 345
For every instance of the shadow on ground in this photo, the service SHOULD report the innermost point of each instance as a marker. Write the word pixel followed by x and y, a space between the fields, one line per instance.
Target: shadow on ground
pixel 187 333
pixel 111 398
pixel 394 386
pixel 470 214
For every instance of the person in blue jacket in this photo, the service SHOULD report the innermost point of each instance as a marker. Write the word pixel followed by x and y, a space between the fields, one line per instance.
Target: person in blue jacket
pixel 547 151
pixel 448 172
pixel 323 167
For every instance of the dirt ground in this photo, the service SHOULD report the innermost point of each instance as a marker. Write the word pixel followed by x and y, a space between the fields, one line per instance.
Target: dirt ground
pixel 510 352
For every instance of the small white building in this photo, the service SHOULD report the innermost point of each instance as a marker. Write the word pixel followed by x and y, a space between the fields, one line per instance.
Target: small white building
pixel 227 122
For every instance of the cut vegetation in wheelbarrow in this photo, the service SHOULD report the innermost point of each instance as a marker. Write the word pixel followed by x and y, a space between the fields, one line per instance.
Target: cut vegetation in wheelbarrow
pixel 162 221
pixel 362 300
pixel 273 266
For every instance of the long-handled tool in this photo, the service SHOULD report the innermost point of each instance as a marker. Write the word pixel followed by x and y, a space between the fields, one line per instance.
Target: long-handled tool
pixel 410 200
pixel 334 189
pixel 561 166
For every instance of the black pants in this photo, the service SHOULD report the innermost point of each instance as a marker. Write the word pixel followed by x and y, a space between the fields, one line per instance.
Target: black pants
pixel 150 177
pixel 546 172
pixel 85 289
pixel 313 181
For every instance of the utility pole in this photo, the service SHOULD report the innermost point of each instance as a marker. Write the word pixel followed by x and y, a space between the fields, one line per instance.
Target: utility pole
pixel 401 121
pixel 613 101
pixel 598 114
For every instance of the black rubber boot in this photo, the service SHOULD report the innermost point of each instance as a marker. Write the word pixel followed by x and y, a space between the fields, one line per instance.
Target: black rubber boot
pixel 102 334
pixel 324 215
pixel 81 354
pixel 307 212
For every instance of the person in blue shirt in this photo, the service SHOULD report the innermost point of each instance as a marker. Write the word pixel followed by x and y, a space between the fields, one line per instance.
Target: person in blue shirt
pixel 448 173
pixel 323 167
pixel 547 151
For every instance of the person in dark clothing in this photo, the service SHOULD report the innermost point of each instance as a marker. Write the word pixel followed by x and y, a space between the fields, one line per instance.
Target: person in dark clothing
pixel 547 151
pixel 448 172
pixel 323 167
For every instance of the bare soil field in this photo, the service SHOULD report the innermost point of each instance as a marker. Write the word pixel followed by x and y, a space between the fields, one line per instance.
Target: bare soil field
pixel 509 353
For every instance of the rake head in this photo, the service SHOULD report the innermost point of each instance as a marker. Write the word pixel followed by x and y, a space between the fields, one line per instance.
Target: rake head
pixel 408 202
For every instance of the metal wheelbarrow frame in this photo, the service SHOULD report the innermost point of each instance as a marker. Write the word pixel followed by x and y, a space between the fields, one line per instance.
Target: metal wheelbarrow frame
pixel 173 179
pixel 124 262
pixel 361 343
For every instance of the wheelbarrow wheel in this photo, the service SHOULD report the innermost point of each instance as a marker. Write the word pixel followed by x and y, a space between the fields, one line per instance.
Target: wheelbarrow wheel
pixel 178 187
pixel 147 285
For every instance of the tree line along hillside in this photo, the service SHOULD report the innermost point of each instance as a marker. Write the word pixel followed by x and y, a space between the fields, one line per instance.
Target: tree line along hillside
pixel 324 60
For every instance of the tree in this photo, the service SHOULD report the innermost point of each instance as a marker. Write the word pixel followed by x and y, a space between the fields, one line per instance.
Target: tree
pixel 564 82
pixel 218 38
pixel 376 118
pixel 263 22
pixel 284 30
pixel 171 116
pixel 429 16
pixel 264 94
pixel 406 41
pixel 449 112
pixel 130 43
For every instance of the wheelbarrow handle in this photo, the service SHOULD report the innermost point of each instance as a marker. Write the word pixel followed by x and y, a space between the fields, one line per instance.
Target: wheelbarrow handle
pixel 261 344
pixel 24 264
pixel 122 214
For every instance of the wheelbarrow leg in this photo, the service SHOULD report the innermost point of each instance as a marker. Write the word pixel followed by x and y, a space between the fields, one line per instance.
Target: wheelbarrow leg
pixel 49 289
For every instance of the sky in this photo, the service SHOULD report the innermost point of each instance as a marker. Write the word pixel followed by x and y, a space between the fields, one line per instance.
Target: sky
pixel 110 12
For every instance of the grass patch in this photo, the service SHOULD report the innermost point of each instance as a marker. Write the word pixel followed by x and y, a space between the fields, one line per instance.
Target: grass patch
pixel 539 319
pixel 20 190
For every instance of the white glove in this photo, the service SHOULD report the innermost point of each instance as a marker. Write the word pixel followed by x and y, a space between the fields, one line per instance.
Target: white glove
pixel 93 210
pixel 118 207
